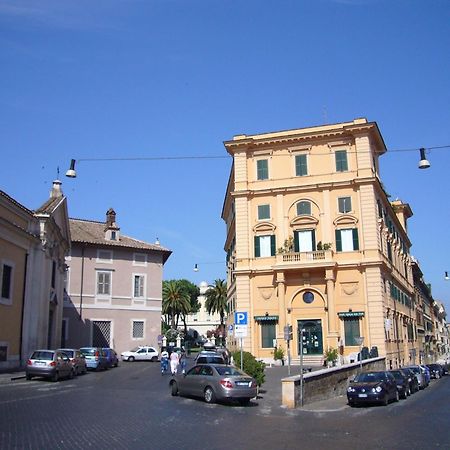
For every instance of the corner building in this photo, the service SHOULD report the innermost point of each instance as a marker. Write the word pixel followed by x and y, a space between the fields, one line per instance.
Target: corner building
pixel 314 242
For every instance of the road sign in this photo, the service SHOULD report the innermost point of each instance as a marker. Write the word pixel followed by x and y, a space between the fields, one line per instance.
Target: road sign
pixel 240 318
pixel 240 331
pixel 230 328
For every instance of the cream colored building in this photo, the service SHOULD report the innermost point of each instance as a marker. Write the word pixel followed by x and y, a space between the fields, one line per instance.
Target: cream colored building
pixel 314 242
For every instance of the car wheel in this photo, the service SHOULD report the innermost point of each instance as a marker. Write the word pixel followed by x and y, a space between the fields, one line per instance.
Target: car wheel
pixel 55 377
pixel 209 395
pixel 131 358
pixel 174 389
pixel 397 396
pixel 405 394
pixel 29 377
pixel 385 400
pixel 71 374
pixel 244 401
pixel 154 359
pixel 437 376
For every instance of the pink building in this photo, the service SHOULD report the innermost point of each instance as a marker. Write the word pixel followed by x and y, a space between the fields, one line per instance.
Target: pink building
pixel 114 287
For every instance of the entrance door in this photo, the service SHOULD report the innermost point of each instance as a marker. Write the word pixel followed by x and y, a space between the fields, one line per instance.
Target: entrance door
pixel 312 337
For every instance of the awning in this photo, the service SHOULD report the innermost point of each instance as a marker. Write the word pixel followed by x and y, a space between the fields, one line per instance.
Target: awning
pixel 266 318
pixel 351 314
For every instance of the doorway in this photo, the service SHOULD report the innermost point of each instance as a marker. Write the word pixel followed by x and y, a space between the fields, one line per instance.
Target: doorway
pixel 312 337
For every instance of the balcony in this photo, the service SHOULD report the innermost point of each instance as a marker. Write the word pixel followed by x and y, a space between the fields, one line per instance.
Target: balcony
pixel 294 260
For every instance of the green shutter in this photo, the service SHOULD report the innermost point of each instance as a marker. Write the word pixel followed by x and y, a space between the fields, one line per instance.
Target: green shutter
pixel 257 249
pixel 272 245
pixel 296 243
pixel 301 167
pixel 338 241
pixel 355 239
pixel 313 239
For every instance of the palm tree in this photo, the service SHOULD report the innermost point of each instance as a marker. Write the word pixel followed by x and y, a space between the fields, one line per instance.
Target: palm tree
pixel 175 301
pixel 216 301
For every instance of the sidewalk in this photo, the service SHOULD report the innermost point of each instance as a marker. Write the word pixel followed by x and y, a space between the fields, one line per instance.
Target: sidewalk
pixel 11 375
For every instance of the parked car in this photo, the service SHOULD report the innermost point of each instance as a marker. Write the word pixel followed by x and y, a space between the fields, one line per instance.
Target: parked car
pixel 95 358
pixel 413 382
pixel 427 373
pixel 209 357
pixel 420 375
pixel 372 387
pixel 141 353
pixel 436 370
pixel 76 358
pixel 51 364
pixel 214 382
pixel 111 357
pixel 403 383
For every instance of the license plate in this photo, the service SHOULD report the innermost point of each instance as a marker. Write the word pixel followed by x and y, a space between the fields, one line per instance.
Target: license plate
pixel 243 383
pixel 40 363
pixel 362 395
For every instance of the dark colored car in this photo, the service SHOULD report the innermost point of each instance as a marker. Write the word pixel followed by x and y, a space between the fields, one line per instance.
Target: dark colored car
pixel 111 357
pixel 51 364
pixel 214 382
pixel 403 382
pixel 436 370
pixel 413 382
pixel 76 358
pixel 372 387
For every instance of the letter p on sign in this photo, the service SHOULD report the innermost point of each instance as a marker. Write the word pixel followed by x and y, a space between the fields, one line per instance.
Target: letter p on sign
pixel 240 318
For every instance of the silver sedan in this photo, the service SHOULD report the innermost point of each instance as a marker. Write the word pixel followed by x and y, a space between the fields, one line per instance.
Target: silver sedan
pixel 215 382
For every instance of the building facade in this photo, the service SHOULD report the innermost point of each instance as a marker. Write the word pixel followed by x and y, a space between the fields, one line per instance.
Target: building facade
pixel 313 242
pixel 33 246
pixel 114 287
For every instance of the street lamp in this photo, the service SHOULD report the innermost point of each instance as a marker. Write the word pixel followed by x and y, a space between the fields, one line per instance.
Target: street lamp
pixel 359 341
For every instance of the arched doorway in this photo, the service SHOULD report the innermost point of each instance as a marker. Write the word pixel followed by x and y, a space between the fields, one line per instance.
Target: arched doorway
pixel 312 337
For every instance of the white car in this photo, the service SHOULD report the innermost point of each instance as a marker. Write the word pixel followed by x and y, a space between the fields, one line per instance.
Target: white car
pixel 141 353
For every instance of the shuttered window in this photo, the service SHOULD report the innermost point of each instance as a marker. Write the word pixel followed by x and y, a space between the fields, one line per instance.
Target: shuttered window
pixel 341 161
pixel 347 240
pixel 301 167
pixel 264 246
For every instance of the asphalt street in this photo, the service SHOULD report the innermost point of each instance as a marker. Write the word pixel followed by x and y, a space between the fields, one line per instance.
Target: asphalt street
pixel 130 407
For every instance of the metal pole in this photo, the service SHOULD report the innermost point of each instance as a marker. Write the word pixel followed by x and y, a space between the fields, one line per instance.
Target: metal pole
pixel 289 357
pixel 242 359
pixel 301 368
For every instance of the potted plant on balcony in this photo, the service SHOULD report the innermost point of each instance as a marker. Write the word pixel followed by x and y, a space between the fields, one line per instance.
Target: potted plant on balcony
pixel 331 355
pixel 278 355
pixel 325 246
pixel 288 246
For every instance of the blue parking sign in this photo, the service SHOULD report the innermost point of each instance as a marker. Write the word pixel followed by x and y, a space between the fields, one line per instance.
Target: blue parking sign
pixel 240 318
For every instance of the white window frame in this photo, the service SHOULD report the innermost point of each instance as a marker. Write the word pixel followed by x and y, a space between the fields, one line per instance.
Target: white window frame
pixel 97 294
pixel 140 263
pixel 133 338
pixel 144 287
pixel 104 260
pixel 5 300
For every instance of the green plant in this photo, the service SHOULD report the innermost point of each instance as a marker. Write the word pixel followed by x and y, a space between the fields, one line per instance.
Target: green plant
pixel 278 353
pixel 331 354
pixel 250 365
pixel 325 246
pixel 288 246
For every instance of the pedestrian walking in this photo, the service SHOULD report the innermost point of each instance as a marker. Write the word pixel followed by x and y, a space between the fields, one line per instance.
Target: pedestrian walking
pixel 174 361
pixel 183 363
pixel 164 361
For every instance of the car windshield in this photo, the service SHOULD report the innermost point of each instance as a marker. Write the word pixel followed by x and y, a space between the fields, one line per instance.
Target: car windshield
pixel 370 377
pixel 397 373
pixel 69 353
pixel 210 360
pixel 135 349
pixel 228 370
pixel 47 356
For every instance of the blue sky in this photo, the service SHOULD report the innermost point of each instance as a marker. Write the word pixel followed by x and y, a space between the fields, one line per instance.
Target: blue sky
pixel 168 78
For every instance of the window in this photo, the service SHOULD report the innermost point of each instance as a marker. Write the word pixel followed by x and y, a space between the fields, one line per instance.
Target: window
pixel 104 283
pixel 267 334
pixel 138 285
pixel 301 167
pixel 262 169
pixel 104 256
pixel 303 208
pixel 341 161
pixel 305 241
pixel 264 246
pixel 263 212
pixel 139 259
pixel 113 235
pixel 7 272
pixel 351 328
pixel 53 274
pixel 347 240
pixel 138 329
pixel 345 204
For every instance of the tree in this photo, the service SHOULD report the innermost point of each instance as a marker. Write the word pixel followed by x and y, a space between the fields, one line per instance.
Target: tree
pixel 175 301
pixel 216 300
pixel 193 292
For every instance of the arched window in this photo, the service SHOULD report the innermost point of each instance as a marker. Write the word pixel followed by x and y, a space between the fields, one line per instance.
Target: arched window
pixel 303 208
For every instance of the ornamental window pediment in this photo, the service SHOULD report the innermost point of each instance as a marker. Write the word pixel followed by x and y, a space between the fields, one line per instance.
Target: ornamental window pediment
pixel 345 220
pixel 264 227
pixel 302 221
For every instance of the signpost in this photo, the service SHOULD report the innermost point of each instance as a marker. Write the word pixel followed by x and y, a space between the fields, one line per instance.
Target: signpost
pixel 240 329
pixel 287 330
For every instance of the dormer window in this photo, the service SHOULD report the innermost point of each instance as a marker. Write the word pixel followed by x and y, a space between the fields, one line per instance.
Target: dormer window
pixel 113 235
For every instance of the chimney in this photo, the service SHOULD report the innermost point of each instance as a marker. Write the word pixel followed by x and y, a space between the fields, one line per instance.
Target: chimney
pixel 111 228
pixel 56 189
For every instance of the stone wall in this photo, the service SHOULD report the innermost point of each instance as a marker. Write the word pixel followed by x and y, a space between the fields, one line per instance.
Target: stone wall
pixel 324 384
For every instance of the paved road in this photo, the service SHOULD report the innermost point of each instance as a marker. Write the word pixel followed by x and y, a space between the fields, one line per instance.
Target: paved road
pixel 131 408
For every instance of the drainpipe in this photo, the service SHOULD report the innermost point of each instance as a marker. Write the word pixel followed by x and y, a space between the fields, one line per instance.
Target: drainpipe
pixel 81 284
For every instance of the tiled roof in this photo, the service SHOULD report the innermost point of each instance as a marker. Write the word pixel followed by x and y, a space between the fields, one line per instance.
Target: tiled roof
pixel 49 206
pixel 91 232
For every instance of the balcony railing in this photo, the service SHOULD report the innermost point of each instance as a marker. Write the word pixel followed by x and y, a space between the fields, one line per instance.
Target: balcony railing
pixel 305 257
